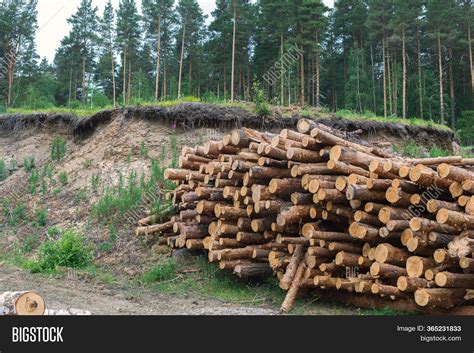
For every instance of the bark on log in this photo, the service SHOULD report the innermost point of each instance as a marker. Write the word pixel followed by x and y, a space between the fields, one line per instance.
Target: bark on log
pixel 22 303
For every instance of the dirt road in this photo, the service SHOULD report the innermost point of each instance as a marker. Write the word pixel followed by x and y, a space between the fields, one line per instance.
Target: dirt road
pixel 68 292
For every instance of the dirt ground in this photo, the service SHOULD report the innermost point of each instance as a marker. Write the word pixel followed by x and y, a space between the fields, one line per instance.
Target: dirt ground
pixel 67 292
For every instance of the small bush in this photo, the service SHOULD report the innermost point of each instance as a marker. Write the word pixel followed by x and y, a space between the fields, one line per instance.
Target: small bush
pixel 63 178
pixel 33 181
pixel 58 148
pixel 30 243
pixel 87 163
pixel 29 164
pixel 261 106
pixel 143 150
pixel 3 170
pixel 40 217
pixel 68 250
pixel 19 212
pixel 164 271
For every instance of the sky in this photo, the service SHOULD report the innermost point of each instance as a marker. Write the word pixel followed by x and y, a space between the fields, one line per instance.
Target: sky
pixel 53 26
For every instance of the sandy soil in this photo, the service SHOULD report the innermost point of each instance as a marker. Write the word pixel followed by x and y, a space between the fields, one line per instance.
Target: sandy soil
pixel 66 292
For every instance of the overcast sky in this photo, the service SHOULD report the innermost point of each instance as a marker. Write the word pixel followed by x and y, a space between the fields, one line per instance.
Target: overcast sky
pixel 52 24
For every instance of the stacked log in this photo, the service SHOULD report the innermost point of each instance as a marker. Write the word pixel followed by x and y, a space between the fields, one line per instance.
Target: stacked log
pixel 321 211
pixel 21 303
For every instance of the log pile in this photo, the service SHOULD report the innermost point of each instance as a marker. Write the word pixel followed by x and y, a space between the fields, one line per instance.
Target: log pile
pixel 321 211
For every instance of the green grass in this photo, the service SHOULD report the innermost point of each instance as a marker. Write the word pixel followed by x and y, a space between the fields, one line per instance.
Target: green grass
pixel 196 275
pixel 347 114
pixel 251 107
pixel 386 311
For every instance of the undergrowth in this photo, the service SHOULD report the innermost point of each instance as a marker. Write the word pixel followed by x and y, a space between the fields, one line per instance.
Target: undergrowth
pixel 66 248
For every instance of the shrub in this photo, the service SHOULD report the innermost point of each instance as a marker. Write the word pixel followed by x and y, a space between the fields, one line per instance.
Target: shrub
pixel 33 181
pixel 3 170
pixel 261 105
pixel 58 148
pixel 40 217
pixel 69 250
pixel 63 178
pixel 143 150
pixel 29 164
pixel 19 213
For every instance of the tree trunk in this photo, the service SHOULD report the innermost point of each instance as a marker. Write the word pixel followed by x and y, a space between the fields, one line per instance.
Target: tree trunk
pixel 233 56
pixel 420 78
pixel 389 74
pixel 440 68
pixel 158 50
pixel 113 75
pixel 182 57
pixel 374 102
pixel 21 303
pixel 129 94
pixel 165 62
pixel 469 45
pixel 302 97
pixel 83 78
pixel 225 80
pixel 451 90
pixel 282 72
pixel 384 79
pixel 124 90
pixel 404 84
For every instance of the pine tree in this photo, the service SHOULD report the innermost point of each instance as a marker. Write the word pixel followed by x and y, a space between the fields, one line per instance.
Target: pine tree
pixel 405 17
pixel 157 15
pixel 190 35
pixel 128 39
pixel 441 15
pixel 18 23
pixel 84 30
pixel 106 66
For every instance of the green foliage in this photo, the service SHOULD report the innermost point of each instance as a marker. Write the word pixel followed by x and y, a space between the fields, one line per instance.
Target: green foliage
pixel 163 271
pixel 174 151
pixel 40 217
pixel 3 170
pixel 109 244
pixel 260 100
pixel 63 178
pixel 29 163
pixel 30 243
pixel 87 163
pixel 58 148
pixel 411 149
pixel 80 196
pixel 438 152
pixel 68 250
pixel 18 214
pixel 143 150
pixel 465 126
pixel 33 181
